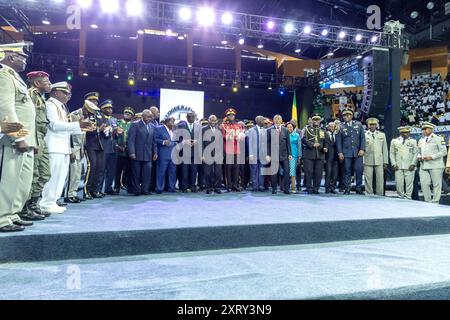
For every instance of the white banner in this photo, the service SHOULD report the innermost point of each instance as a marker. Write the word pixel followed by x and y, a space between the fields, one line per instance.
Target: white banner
pixel 177 103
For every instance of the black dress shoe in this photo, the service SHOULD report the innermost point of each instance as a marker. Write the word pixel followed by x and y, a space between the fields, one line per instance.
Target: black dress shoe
pixel 254 190
pixel 346 192
pixel 31 216
pixel 72 200
pixel 218 191
pixel 208 192
pixel 274 192
pixel 146 193
pixel 97 195
pixel 315 192
pixel 88 196
pixel 359 192
pixel 23 223
pixel 184 191
pixel 287 192
pixel 61 204
pixel 12 228
pixel 332 191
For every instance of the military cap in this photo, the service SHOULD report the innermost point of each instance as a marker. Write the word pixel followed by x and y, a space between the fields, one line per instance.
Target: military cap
pixel 372 121
pixel 92 96
pixel 129 110
pixel 426 125
pixel 106 104
pixel 230 111
pixel 138 115
pixel 37 74
pixel 405 129
pixel 90 107
pixel 204 122
pixel 347 111
pixel 316 117
pixel 62 86
pixel 249 124
pixel 14 47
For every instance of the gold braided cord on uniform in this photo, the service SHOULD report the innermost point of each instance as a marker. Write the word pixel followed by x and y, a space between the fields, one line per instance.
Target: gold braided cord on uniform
pixel 88 171
pixel 36 97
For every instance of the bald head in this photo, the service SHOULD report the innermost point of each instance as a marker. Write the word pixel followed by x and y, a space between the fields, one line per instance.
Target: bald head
pixel 212 120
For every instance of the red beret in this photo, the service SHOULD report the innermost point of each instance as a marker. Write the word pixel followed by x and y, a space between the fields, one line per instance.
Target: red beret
pixel 230 111
pixel 37 74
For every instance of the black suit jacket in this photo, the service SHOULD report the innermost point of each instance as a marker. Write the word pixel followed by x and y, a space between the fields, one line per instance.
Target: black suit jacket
pixel 332 154
pixel 196 134
pixel 310 135
pixel 141 141
pixel 284 142
pixel 217 135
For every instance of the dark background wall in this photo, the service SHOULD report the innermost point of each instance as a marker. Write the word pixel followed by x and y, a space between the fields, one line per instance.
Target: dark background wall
pixel 248 102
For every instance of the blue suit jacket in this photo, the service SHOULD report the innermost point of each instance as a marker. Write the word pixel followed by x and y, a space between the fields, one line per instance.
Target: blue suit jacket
pixel 351 139
pixel 141 141
pixel 164 152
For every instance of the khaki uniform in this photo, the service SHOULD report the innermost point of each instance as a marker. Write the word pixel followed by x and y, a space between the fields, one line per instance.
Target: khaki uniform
pixel 431 171
pixel 41 172
pixel 77 147
pixel 448 156
pixel 375 157
pixel 16 169
pixel 403 154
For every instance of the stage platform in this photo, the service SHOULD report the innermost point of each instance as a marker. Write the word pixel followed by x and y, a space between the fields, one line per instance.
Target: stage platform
pixel 126 225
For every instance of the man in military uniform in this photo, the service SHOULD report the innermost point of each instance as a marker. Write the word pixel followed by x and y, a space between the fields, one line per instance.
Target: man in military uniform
pixel 123 160
pixel 77 142
pixel 40 85
pixel 16 152
pixel 95 155
pixel 315 147
pixel 351 146
pixel 403 155
pixel 432 151
pixel 376 158
pixel 447 166
pixel 108 138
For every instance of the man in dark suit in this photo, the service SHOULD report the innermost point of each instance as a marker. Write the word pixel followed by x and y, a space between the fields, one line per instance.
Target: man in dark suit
pixel 192 146
pixel 165 141
pixel 279 141
pixel 212 155
pixel 351 146
pixel 155 121
pixel 332 160
pixel 257 153
pixel 315 146
pixel 142 150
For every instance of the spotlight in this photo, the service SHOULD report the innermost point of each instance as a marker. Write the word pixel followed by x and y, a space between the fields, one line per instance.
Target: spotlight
pixel 235 88
pixel 180 37
pixel 430 5
pixel 169 32
pixel 131 80
pixel 224 41
pixel 289 27
pixel 84 3
pixel 45 21
pixel 172 80
pixel 281 91
pixel 134 7
pixel 85 74
pixel 297 49
pixel 144 78
pixel 374 39
pixel 307 29
pixel 270 86
pixel 222 84
pixel 414 15
pixel 330 54
pixel 241 41
pixel 358 56
pixel 270 25
pixel 358 37
pixel 260 45
pixel 227 18
pixel 205 17
pixel 140 32
pixel 109 6
pixel 341 35
pixel 185 14
pixel 324 32
pixel 116 76
pixel 200 80
pixel 246 86
pixel 94 26
pixel 69 75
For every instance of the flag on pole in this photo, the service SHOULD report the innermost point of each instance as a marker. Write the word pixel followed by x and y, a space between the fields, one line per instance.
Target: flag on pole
pixel 294 107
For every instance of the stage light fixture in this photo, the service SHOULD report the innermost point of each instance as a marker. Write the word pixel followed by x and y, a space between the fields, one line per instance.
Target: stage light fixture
pixel 224 41
pixel 246 86
pixel 324 32
pixel 222 84
pixel 358 37
pixel 109 6
pixel 235 88
pixel 289 27
pixel 140 32
pixel 260 44
pixel 374 39
pixel 131 80
pixel 84 3
pixel 330 54
pixel 307 29
pixel 180 37
pixel 269 87
pixel 281 91
pixel 241 40
pixel 169 32
pixel 430 5
pixel 227 18
pixel 116 76
pixel 270 25
pixel 172 80
pixel 205 17
pixel 94 26
pixel 297 49
pixel 69 75
pixel 46 21
pixel 185 14
pixel 134 7
pixel 144 78
pixel 414 15
pixel 358 56
pixel 85 74
pixel 342 35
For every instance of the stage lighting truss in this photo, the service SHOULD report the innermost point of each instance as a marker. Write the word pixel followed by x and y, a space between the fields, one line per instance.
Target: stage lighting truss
pixel 159 14
pixel 163 73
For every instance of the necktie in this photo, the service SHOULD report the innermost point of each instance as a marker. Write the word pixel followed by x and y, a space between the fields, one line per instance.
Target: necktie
pixel 373 136
pixel 426 140
pixel 404 140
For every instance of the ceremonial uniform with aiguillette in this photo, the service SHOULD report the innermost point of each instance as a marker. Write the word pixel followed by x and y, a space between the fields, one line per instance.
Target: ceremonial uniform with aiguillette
pixel 314 157
pixel 350 140
pixel 403 154
pixel 431 170
pixel 77 142
pixel 16 168
pixel 41 170
pixel 375 159
pixel 123 160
